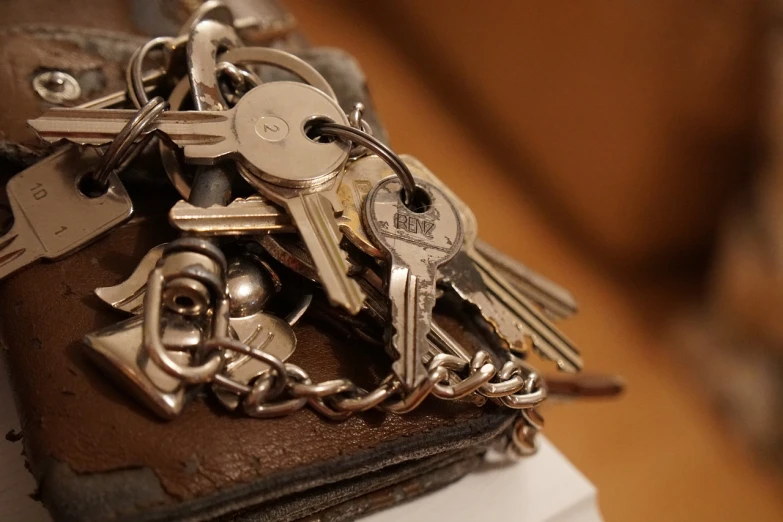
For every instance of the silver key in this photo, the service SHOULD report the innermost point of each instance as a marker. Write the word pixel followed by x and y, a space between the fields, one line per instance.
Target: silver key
pixel 52 217
pixel 254 215
pixel 508 321
pixel 556 301
pixel 303 179
pixel 547 339
pixel 512 315
pixel 416 244
pixel 439 341
pixel 464 279
pixel 265 131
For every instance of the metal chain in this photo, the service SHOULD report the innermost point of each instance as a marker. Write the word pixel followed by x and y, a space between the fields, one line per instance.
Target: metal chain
pixel 274 393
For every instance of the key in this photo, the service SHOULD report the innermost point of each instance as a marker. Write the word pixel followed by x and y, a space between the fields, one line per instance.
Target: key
pixel 556 301
pixel 304 179
pixel 416 245
pixel 547 340
pixel 266 132
pixel 513 325
pixel 362 174
pixel 267 121
pixel 254 215
pixel 357 181
pixel 52 218
pixel 513 316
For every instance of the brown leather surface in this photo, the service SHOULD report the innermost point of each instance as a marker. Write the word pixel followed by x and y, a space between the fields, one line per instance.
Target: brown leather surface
pixel 26 51
pixel 73 414
pixel 91 40
pixel 76 421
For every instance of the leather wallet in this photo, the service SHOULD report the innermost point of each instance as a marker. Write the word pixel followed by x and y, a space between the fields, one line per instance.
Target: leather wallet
pixel 98 455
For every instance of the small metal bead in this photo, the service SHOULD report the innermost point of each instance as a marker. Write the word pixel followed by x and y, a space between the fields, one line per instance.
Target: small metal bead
pixel 249 286
pixel 57 86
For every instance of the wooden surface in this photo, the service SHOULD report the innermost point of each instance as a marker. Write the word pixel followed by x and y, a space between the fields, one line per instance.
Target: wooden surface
pixel 657 454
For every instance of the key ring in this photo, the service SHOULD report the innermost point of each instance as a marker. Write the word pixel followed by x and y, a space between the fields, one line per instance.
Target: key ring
pixel 324 128
pixel 134 76
pixel 124 144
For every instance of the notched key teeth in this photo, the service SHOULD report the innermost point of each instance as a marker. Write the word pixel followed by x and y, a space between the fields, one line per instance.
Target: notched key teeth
pixel 9 256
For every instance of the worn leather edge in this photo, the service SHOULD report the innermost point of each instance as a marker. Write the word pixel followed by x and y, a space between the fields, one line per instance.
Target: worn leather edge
pixel 60 487
pixel 352 491
pixel 406 491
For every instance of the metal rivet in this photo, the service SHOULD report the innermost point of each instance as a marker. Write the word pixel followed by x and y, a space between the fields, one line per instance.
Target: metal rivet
pixel 56 86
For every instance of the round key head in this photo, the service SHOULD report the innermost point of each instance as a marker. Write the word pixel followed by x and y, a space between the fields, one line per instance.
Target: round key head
pixel 468 218
pixel 429 233
pixel 361 175
pixel 271 124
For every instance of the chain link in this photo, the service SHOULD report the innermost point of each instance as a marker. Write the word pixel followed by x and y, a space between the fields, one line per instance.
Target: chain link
pixel 285 388
pixel 275 393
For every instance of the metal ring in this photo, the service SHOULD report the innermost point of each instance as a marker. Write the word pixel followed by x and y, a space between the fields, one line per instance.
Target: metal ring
pixel 365 400
pixel 122 146
pixel 276 365
pixel 154 344
pixel 281 59
pixel 375 145
pixel 237 75
pixel 134 76
pixel 175 169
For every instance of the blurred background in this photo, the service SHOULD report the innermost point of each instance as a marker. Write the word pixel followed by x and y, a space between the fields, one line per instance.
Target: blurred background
pixel 627 150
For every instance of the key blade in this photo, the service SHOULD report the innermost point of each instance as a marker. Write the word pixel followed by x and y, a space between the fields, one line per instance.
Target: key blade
pixel 254 215
pixel 466 281
pixel 408 299
pixel 547 339
pixel 314 218
pixel 445 343
pixel 15 254
pixel 100 126
pixel 555 299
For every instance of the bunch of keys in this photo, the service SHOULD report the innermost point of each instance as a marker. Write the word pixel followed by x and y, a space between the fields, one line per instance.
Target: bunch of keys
pixel 382 238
